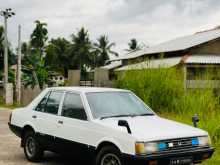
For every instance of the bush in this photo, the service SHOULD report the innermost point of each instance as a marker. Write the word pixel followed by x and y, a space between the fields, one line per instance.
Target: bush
pixel 163 90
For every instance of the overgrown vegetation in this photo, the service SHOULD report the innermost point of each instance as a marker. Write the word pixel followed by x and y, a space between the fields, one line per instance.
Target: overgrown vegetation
pixel 163 90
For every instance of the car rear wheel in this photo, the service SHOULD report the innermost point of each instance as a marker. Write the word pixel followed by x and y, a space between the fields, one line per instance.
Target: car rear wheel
pixel 32 149
pixel 109 156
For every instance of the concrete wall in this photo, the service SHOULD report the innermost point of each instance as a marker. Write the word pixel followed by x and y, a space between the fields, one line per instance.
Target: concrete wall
pixel 9 94
pixel 101 77
pixel 28 94
pixel 73 77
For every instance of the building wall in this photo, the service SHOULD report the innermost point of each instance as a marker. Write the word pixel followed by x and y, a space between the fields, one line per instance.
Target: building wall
pixel 212 47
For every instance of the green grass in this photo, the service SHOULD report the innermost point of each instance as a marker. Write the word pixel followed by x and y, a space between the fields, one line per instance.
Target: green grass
pixel 2 105
pixel 210 125
pixel 163 90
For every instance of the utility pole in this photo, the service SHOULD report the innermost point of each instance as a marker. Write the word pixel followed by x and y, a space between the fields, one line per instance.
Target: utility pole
pixel 5 52
pixel 6 14
pixel 18 85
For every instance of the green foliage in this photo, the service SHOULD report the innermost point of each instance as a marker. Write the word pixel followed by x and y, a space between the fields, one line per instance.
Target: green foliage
pixel 80 49
pixel 11 55
pixel 102 50
pixel 1 40
pixel 163 90
pixel 1 100
pixel 39 35
pixel 155 87
pixel 133 45
pixel 57 56
pixel 34 69
pixel 80 52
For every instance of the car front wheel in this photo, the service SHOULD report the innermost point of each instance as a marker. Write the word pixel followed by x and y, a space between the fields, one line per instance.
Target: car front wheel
pixel 108 156
pixel 32 148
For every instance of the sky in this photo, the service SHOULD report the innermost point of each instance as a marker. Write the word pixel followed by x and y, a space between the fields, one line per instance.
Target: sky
pixel 149 21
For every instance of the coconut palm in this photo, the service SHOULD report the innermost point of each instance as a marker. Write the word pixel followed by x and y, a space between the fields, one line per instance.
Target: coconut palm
pixel 80 49
pixel 33 63
pixel 39 36
pixel 133 45
pixel 57 56
pixel 103 49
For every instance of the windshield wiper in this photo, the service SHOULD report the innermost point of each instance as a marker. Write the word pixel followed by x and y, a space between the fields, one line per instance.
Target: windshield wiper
pixel 146 114
pixel 130 115
pixel 105 117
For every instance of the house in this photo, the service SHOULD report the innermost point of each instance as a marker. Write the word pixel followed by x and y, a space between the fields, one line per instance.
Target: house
pixel 196 53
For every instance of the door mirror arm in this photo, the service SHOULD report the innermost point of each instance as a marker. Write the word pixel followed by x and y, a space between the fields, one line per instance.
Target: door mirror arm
pixel 124 123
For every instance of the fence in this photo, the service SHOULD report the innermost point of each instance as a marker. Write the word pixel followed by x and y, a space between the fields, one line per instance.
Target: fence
pixel 87 83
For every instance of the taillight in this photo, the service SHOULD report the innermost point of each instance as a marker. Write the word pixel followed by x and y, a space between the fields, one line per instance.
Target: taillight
pixel 10 118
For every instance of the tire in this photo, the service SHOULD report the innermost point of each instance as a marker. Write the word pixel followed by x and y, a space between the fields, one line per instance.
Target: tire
pixel 32 149
pixel 107 154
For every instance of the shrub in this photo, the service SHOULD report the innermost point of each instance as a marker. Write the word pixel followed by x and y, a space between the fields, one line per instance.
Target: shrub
pixel 163 90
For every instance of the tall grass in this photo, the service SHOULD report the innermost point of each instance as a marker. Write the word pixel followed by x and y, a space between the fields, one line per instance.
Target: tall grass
pixel 163 90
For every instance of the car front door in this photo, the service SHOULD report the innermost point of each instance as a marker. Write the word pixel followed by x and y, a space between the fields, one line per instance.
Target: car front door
pixel 73 126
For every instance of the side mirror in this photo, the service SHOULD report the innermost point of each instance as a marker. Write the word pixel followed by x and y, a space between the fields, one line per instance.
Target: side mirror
pixel 195 120
pixel 124 123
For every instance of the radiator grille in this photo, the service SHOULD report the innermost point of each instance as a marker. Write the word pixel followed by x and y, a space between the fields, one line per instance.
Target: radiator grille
pixel 178 144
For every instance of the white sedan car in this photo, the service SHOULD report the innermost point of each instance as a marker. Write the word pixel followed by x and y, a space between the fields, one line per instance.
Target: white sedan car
pixel 112 126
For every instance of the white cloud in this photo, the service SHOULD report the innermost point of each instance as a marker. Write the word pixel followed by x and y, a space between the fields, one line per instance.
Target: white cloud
pixel 150 21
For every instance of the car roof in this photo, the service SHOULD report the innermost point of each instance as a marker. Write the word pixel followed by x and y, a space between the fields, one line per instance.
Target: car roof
pixel 88 89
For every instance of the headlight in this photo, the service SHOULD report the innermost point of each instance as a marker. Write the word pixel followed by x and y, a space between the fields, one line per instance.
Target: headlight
pixel 204 141
pixel 149 148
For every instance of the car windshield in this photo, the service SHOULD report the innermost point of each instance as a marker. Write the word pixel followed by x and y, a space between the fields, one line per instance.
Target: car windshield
pixel 116 104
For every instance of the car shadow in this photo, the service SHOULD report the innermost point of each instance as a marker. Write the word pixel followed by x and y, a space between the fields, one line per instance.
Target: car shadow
pixel 56 159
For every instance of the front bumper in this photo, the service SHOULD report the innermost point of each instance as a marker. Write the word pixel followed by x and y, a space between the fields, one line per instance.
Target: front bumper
pixel 15 129
pixel 197 155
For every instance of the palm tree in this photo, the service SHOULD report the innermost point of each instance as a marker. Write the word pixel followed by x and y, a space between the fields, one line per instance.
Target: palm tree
pixel 103 50
pixel 133 45
pixel 57 56
pixel 33 63
pixel 39 36
pixel 80 49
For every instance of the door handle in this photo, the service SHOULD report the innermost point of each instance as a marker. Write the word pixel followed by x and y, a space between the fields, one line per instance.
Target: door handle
pixel 60 122
pixel 34 116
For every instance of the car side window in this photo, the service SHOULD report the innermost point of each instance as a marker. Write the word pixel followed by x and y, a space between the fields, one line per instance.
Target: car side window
pixel 41 106
pixel 53 102
pixel 73 107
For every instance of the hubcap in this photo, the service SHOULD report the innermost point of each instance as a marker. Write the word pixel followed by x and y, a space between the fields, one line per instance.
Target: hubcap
pixel 30 146
pixel 110 159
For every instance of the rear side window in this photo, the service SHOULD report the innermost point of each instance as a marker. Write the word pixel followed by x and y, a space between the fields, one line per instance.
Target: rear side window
pixel 73 107
pixel 41 106
pixel 53 102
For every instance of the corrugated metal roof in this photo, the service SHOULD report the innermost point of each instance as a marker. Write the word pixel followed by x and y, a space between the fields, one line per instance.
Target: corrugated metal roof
pixel 112 65
pixel 177 44
pixel 153 64
pixel 170 62
pixel 202 59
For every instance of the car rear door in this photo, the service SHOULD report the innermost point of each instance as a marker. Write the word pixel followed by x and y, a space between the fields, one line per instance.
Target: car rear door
pixel 46 116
